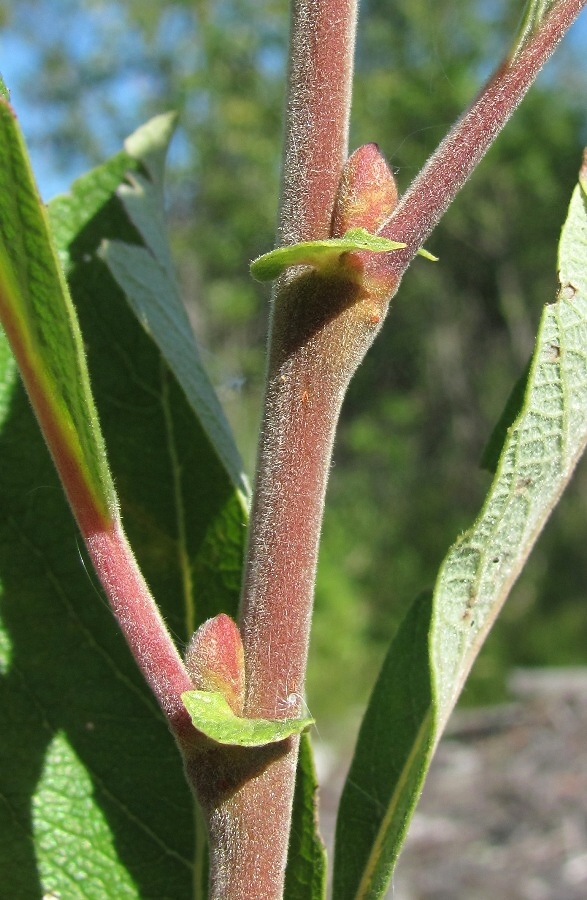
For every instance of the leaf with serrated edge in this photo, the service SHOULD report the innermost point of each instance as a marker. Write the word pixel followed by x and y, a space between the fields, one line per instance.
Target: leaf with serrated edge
pixel 211 714
pixel 539 456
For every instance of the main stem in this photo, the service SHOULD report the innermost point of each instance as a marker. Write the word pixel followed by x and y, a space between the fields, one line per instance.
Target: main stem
pixel 298 424
pixel 249 830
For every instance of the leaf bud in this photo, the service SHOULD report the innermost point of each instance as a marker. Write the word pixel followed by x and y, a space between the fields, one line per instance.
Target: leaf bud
pixel 215 660
pixel 367 192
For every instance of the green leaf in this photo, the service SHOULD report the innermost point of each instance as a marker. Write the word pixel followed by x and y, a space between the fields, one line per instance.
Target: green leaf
pixel 4 92
pixel 322 255
pixel 511 411
pixel 64 668
pixel 305 876
pixel 389 764
pixel 146 276
pixel 64 798
pixel 542 449
pixel 416 691
pixel 38 316
pixel 181 500
pixel 83 743
pixel 211 714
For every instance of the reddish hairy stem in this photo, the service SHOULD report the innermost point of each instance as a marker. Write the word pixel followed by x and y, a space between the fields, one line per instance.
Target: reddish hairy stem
pixel 322 42
pixel 142 625
pixel 438 183
pixel 249 826
pixel 125 587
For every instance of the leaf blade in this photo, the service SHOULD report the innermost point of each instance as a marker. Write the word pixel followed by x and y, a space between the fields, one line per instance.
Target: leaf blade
pixel 211 714
pixel 39 320
pixel 539 455
pixel 542 449
pixel 382 788
pixel 146 276
pixel 305 875
pixel 323 255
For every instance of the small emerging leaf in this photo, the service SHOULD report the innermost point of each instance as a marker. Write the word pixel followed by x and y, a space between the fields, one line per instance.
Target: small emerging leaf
pixel 322 255
pixel 211 714
pixel 427 255
pixel 367 192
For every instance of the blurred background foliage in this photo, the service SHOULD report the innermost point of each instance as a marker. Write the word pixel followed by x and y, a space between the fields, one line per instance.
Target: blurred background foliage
pixel 406 478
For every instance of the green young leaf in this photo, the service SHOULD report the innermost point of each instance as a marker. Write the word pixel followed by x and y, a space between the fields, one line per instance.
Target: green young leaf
pixel 305 876
pixel 38 317
pixel 211 714
pixel 540 452
pixel 4 92
pixel 322 255
pixel 389 764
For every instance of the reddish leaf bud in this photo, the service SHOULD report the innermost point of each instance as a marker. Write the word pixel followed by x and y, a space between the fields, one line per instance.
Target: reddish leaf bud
pixel 367 192
pixel 215 660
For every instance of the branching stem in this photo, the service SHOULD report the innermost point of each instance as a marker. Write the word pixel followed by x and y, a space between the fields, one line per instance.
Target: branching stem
pixel 319 332
pixel 440 180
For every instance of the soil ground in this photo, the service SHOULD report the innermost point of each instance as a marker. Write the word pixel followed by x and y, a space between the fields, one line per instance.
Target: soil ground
pixel 503 814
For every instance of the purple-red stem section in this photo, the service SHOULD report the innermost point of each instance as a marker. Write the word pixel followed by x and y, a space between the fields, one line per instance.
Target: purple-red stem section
pixel 249 829
pixel 322 41
pixel 142 625
pixel 444 174
pixel 125 587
